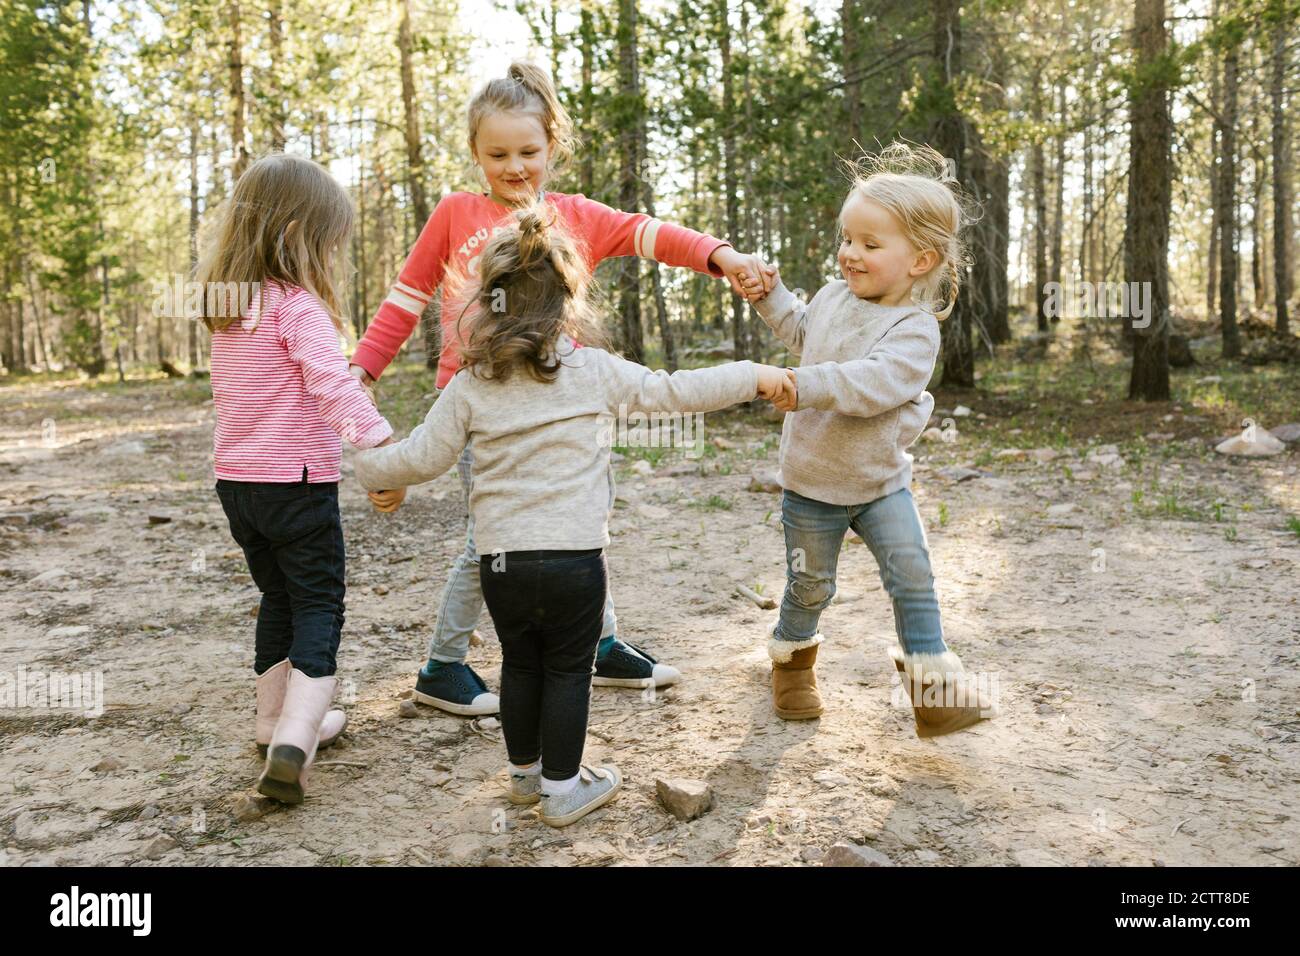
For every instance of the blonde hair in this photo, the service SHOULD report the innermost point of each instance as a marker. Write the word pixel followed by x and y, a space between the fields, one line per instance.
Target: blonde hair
pixel 533 287
pixel 915 185
pixel 526 88
pixel 251 239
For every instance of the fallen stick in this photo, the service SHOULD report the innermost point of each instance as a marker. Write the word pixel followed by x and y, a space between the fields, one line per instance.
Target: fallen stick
pixel 766 603
pixel 341 763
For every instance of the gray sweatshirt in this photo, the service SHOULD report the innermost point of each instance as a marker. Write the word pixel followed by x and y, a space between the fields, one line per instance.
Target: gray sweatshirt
pixel 862 400
pixel 542 475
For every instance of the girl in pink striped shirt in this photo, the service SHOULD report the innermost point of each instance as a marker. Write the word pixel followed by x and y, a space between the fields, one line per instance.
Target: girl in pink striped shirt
pixel 518 133
pixel 283 396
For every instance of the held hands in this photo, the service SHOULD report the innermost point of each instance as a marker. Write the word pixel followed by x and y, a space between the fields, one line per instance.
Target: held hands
pixel 778 386
pixel 750 277
pixel 366 381
pixel 386 502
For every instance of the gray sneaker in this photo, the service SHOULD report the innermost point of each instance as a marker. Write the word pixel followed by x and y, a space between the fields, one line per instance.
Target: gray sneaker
pixel 525 788
pixel 596 787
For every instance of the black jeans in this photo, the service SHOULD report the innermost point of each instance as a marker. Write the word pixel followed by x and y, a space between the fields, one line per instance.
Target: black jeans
pixel 548 607
pixel 292 538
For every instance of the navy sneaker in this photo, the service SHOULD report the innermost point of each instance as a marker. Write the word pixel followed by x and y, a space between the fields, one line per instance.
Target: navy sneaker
pixel 456 689
pixel 627 665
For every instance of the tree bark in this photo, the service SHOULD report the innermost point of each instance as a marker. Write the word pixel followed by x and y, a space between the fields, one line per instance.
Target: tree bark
pixel 629 186
pixel 1146 236
pixel 1228 261
pixel 1281 169
pixel 729 178
pixel 237 104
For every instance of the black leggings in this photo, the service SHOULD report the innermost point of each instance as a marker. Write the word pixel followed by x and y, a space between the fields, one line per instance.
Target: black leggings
pixel 548 607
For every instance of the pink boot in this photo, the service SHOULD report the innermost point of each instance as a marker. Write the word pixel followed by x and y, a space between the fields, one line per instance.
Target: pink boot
pixel 270 700
pixel 296 736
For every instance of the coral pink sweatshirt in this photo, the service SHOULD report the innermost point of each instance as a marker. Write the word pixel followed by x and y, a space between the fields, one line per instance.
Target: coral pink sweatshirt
pixel 453 239
pixel 284 395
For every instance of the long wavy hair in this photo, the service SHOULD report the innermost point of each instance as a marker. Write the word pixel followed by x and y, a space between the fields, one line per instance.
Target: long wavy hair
pixel 287 220
pixel 533 286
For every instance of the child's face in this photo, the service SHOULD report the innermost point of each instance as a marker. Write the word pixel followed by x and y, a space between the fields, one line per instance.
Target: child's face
pixel 513 150
pixel 876 259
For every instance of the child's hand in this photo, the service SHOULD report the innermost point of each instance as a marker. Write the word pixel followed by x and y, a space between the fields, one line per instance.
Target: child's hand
pixel 777 386
pixel 368 383
pixel 749 275
pixel 387 502
pixel 788 400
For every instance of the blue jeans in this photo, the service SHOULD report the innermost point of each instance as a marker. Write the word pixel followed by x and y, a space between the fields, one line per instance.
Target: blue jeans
pixel 462 598
pixel 892 529
pixel 292 538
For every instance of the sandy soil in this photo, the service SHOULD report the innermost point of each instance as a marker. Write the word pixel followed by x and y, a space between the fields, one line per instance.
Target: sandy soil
pixel 1146 666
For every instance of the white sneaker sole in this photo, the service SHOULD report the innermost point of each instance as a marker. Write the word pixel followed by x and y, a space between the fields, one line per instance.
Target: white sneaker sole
pixel 575 815
pixel 665 676
pixel 460 710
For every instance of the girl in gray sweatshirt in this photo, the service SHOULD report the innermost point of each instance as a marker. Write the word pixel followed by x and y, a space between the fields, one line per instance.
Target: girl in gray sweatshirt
pixel 538 412
pixel 867 346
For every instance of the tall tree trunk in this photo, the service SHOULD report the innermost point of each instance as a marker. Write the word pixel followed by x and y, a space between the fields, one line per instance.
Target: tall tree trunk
pixel 275 27
pixel 948 134
pixel 1146 234
pixel 1037 175
pixel 587 39
pixel 850 28
pixel 629 186
pixel 238 107
pixel 1228 264
pixel 1058 216
pixel 666 340
pixel 1281 167
pixel 191 321
pixel 429 320
pixel 1216 137
pixel 729 177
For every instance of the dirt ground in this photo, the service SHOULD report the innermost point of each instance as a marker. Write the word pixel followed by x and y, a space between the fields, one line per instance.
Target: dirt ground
pixel 1146 661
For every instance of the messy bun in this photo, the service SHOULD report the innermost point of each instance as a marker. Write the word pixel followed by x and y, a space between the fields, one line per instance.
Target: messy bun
pixel 532 288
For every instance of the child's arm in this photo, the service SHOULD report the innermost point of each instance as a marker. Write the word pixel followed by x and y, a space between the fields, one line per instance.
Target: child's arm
pixel 313 344
pixel 612 232
pixel 399 313
pixel 431 449
pixel 897 370
pixel 786 315
pixel 631 387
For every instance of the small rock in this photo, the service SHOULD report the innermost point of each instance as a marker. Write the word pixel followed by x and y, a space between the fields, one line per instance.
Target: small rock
pixel 684 799
pixel 158 847
pixel 1043 454
pixel 55 579
pixel 75 630
pixel 1057 511
pixel 960 474
pixel 380 589
pixel 850 854
pixel 811 854
pixel 148 813
pixel 1287 433
pixel 408 708
pixel 961 411
pixel 829 778
pixel 496 859
pixel 927 856
pixel 160 519
pixel 1265 443
pixel 489 723
pixel 107 765
pixel 642 467
pixel 180 710
pixel 251 807
pixel 1106 461
pixel 765 480
pixel 122 448
pixel 464 847
pixel 1010 454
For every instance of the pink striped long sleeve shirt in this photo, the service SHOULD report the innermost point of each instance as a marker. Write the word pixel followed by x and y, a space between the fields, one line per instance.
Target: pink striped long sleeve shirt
pixel 283 393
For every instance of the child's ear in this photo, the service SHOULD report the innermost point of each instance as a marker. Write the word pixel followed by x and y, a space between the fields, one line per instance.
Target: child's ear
pixel 923 262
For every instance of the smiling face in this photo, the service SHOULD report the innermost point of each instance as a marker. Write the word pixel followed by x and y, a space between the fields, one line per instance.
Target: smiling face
pixel 876 259
pixel 513 150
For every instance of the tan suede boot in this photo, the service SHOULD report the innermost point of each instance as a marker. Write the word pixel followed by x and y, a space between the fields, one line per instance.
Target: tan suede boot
pixel 944 698
pixel 794 678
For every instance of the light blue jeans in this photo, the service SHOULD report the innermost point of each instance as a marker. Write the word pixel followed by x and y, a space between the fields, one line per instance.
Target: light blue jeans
pixel 462 598
pixel 892 529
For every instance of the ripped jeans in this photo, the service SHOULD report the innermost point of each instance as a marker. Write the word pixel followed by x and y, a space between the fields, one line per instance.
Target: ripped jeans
pixel 892 529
